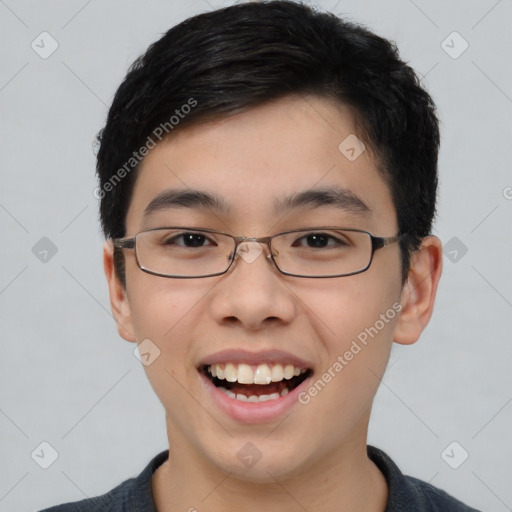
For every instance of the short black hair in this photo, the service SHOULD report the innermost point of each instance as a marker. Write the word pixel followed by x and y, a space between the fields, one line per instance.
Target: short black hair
pixel 233 59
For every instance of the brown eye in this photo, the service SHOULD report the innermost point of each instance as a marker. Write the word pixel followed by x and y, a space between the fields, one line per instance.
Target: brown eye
pixel 318 241
pixel 188 240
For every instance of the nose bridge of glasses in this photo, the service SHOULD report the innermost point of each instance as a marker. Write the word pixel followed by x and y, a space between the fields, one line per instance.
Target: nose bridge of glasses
pixel 250 248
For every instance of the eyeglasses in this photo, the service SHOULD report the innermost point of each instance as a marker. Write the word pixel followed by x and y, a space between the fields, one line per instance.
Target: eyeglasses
pixel 182 252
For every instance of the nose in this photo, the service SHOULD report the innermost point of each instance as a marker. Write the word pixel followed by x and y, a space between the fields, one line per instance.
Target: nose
pixel 253 293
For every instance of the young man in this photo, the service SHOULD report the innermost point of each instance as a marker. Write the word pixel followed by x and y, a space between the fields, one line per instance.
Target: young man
pixel 268 181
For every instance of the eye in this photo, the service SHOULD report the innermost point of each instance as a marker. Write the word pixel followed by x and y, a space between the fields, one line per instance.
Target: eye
pixel 319 241
pixel 188 239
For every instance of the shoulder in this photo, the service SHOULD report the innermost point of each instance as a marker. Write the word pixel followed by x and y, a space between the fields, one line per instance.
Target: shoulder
pixel 409 493
pixel 133 494
pixel 433 498
pixel 103 503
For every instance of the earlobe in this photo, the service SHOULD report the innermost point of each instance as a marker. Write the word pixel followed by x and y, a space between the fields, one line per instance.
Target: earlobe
pixel 419 292
pixel 118 298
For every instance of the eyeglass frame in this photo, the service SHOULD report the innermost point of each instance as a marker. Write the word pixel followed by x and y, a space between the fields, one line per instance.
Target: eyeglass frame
pixel 377 242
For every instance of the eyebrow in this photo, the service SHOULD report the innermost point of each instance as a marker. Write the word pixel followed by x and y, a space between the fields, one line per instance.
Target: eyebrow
pixel 177 198
pixel 339 197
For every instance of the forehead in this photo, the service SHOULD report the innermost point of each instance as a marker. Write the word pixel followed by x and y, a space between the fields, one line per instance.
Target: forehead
pixel 294 154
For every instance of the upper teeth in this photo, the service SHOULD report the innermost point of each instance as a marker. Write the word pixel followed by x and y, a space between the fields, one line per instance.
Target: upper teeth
pixel 247 374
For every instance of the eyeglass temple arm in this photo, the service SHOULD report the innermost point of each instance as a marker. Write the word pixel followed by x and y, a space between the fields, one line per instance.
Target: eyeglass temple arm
pixel 124 243
pixel 379 242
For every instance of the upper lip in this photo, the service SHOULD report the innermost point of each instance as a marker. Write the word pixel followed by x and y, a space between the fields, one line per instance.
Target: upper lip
pixel 238 356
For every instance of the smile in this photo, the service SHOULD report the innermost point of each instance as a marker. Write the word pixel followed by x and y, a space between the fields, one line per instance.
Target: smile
pixel 255 383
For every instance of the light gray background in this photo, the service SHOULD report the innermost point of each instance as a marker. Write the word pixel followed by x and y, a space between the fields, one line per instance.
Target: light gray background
pixel 66 376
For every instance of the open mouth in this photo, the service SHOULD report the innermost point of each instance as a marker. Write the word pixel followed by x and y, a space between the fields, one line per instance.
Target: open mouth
pixel 260 383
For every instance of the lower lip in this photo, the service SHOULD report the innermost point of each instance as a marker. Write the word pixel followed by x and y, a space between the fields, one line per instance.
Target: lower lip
pixel 254 412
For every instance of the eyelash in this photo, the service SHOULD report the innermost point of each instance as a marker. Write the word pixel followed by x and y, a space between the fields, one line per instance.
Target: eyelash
pixel 305 236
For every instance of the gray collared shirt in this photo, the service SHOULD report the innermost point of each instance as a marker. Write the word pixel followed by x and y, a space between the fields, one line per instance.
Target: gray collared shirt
pixel 405 493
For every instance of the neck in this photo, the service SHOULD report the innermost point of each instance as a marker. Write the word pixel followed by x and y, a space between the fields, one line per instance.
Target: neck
pixel 344 479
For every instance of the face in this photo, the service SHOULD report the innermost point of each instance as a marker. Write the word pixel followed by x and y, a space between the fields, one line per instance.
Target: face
pixel 253 315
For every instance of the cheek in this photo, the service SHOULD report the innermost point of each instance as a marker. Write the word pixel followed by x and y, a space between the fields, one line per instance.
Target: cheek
pixel 159 307
pixel 355 323
pixel 357 307
pixel 357 344
pixel 358 341
pixel 165 311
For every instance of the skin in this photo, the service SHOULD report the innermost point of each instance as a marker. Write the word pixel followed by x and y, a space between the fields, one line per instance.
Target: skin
pixel 315 457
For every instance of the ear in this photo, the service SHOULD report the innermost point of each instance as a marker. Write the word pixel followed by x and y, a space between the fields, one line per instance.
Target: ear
pixel 118 297
pixel 419 291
